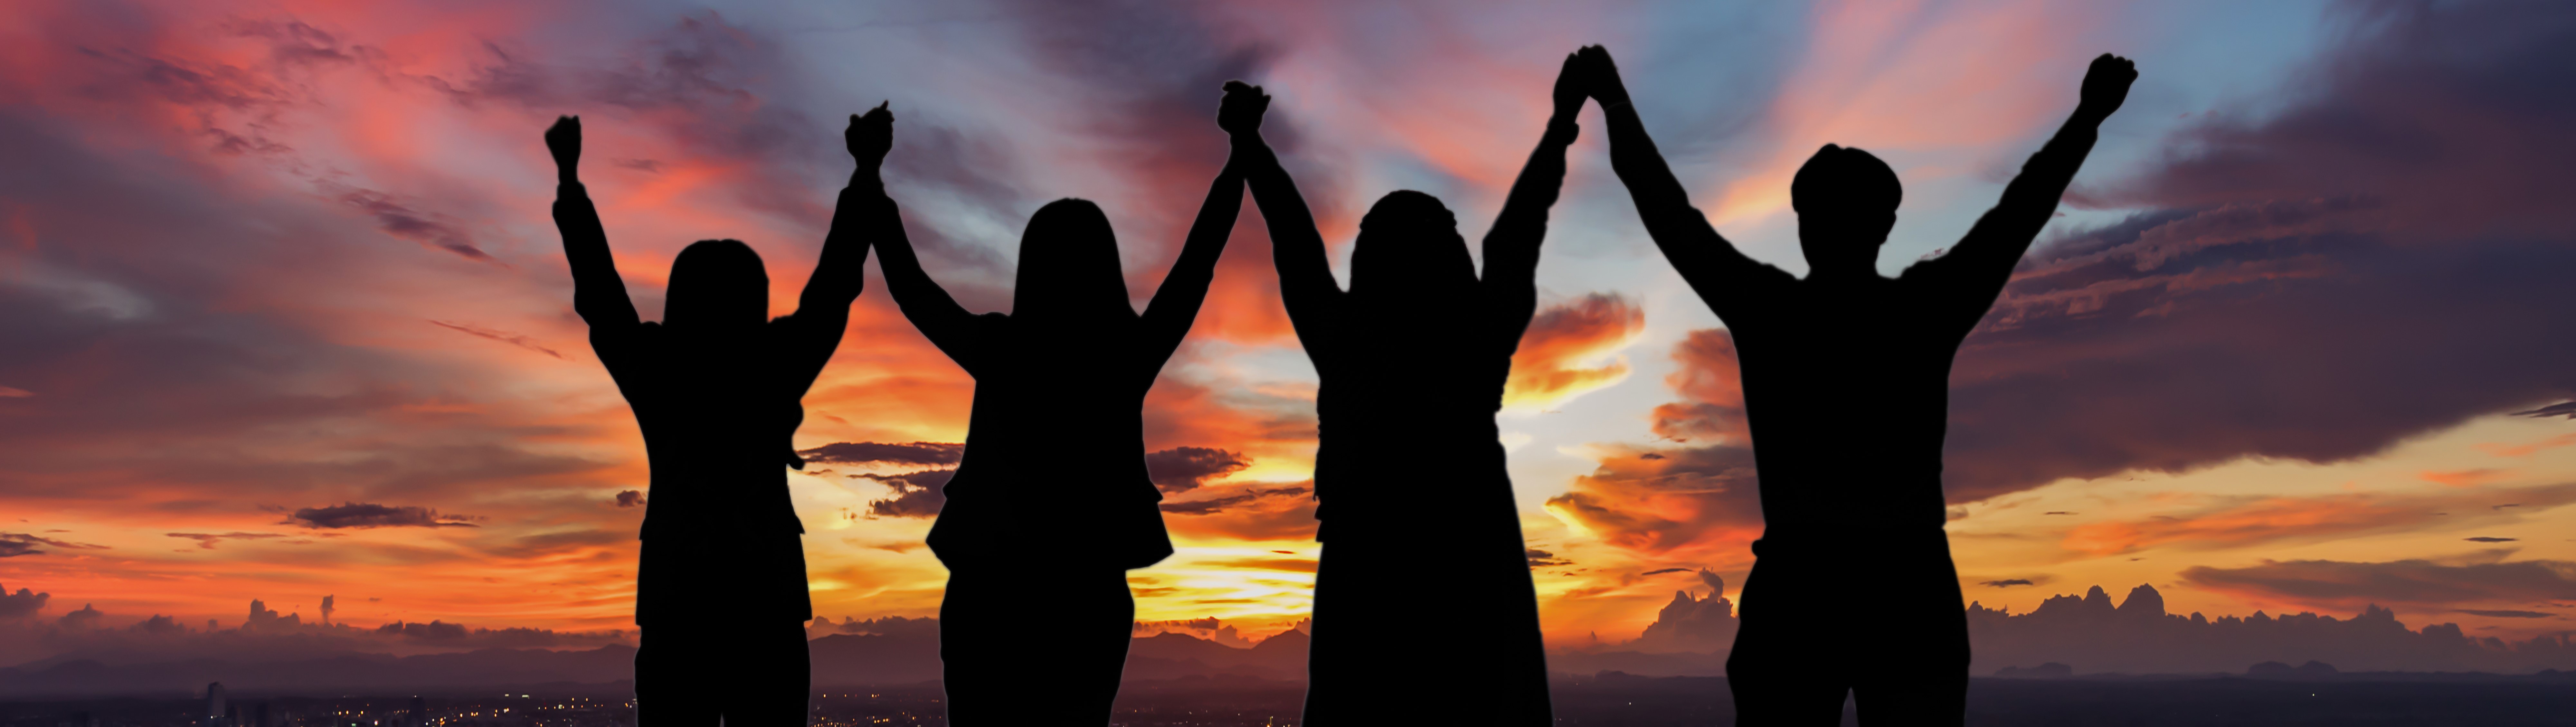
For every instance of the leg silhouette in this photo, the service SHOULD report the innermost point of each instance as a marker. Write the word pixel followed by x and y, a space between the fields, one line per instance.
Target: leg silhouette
pixel 1843 529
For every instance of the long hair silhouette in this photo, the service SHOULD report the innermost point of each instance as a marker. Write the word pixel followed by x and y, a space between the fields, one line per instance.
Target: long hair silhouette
pixel 1051 502
pixel 1410 470
pixel 1852 517
pixel 716 388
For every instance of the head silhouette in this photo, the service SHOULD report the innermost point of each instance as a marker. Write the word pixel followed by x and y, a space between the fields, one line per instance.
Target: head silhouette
pixel 1409 255
pixel 1846 203
pixel 1069 272
pixel 717 287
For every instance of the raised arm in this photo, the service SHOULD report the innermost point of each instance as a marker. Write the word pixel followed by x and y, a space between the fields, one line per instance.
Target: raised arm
pixel 1511 247
pixel 840 274
pixel 1975 270
pixel 1712 266
pixel 1175 306
pixel 1306 284
pixel 927 305
pixel 597 293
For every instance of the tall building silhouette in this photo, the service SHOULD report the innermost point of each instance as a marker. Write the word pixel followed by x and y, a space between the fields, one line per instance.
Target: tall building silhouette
pixel 215 703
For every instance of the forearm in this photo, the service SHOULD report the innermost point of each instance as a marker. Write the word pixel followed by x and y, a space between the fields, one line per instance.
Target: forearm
pixel 840 273
pixel 2046 175
pixel 1511 247
pixel 1214 226
pixel 1295 246
pixel 1640 165
pixel 599 295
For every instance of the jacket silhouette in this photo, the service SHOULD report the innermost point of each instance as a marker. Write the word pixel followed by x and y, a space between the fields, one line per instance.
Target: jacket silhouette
pixel 1846 392
pixel 1416 507
pixel 1051 503
pixel 716 388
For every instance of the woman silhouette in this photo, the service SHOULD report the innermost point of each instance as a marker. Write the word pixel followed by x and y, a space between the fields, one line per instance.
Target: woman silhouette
pixel 1415 503
pixel 1051 504
pixel 716 387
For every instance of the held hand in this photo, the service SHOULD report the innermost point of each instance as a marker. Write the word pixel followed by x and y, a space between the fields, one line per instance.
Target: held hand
pixel 1570 88
pixel 564 141
pixel 1240 113
pixel 2106 85
pixel 871 135
pixel 1601 76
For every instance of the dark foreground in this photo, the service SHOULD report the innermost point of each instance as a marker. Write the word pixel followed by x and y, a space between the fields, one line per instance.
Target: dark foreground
pixel 1612 701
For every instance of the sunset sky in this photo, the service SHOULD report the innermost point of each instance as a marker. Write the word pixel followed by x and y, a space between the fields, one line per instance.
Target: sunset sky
pixel 283 314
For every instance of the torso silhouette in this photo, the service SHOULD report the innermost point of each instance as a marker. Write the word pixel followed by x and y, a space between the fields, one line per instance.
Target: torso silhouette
pixel 1406 422
pixel 1054 449
pixel 1846 393
pixel 717 422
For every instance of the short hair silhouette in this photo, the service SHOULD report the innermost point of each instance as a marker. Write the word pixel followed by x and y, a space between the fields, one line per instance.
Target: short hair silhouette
pixel 1846 203
pixel 716 285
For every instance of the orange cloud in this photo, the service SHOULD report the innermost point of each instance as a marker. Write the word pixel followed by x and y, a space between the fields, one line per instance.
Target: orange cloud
pixel 2526 450
pixel 2268 519
pixel 2465 478
pixel 1548 366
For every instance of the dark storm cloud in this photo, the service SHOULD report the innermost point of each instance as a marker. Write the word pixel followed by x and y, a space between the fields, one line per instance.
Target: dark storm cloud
pixel 1661 571
pixel 1540 558
pixel 2007 583
pixel 2487 539
pixel 22 604
pixel 2378 260
pixel 16 544
pixel 917 494
pixel 1180 469
pixel 2565 409
pixel 916 453
pixel 2403 581
pixel 402 221
pixel 85 618
pixel 371 515
pixel 630 498
pixel 2507 613
pixel 1214 505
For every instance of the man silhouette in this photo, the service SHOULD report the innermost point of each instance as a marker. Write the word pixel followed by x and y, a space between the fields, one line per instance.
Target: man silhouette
pixel 716 388
pixel 1846 391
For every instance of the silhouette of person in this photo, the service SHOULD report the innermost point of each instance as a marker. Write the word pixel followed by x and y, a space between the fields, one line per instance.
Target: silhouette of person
pixel 1846 390
pixel 1051 504
pixel 716 388
pixel 1414 501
